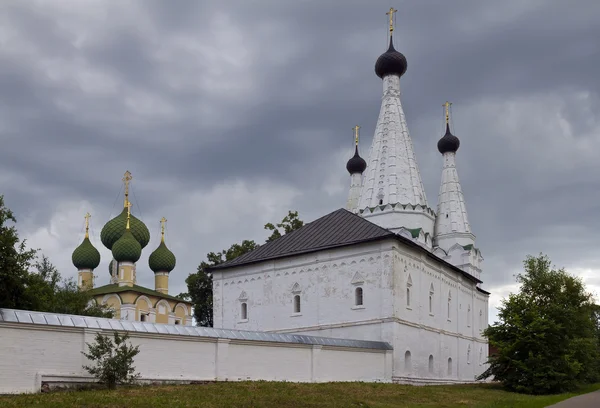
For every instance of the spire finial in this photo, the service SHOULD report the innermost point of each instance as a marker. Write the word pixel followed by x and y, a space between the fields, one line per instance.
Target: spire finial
pixel 126 179
pixel 87 217
pixel 128 205
pixel 447 106
pixel 356 134
pixel 391 14
pixel 163 220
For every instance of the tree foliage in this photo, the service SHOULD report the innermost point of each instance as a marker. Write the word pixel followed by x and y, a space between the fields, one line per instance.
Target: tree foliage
pixel 15 260
pixel 30 282
pixel 113 360
pixel 289 223
pixel 547 337
pixel 200 283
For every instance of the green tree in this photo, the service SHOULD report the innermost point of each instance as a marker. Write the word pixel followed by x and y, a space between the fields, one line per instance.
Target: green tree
pixel 113 360
pixel 546 337
pixel 15 260
pixel 289 223
pixel 200 283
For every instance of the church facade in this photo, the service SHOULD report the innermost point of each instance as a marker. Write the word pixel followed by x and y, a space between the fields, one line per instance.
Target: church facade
pixel 388 267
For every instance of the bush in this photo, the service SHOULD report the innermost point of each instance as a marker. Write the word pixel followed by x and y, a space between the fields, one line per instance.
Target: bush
pixel 113 360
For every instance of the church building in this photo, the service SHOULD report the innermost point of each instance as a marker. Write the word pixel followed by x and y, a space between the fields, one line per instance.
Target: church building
pixel 388 267
pixel 125 236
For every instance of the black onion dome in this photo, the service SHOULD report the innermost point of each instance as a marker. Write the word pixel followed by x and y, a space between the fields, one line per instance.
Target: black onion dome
pixel 390 62
pixel 356 164
pixel 448 142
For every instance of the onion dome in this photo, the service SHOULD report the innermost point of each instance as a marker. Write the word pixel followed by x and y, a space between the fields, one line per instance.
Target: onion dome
pixel 356 164
pixel 110 266
pixel 127 248
pixel 448 143
pixel 115 229
pixel 162 259
pixel 390 62
pixel 86 256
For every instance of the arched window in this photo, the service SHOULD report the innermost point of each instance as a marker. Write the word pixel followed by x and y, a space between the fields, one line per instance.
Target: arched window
pixel 469 316
pixel 358 296
pixel 430 364
pixel 431 293
pixel 449 303
pixel 408 287
pixel 407 362
pixel 244 311
pixel 469 354
pixel 296 303
pixel 449 366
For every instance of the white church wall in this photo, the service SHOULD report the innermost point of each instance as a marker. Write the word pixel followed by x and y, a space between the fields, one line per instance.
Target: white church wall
pixel 31 354
pixel 326 282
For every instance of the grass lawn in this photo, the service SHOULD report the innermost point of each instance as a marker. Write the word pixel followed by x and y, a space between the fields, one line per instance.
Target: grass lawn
pixel 290 395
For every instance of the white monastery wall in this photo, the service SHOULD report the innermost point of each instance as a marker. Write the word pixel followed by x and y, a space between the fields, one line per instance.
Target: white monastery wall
pixel 34 353
pixel 446 326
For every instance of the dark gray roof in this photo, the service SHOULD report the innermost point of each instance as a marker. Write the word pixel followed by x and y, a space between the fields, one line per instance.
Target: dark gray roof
pixel 55 319
pixel 339 228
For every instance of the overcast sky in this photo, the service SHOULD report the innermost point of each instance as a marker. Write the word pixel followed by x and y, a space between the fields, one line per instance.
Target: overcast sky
pixel 230 113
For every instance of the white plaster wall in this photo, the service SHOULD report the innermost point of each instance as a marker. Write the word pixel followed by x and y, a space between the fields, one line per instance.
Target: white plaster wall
pixel 326 282
pixel 30 354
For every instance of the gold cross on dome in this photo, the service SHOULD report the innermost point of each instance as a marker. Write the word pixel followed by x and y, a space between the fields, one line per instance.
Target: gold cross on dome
pixel 128 205
pixel 391 14
pixel 126 179
pixel 87 217
pixel 447 106
pixel 163 220
pixel 356 134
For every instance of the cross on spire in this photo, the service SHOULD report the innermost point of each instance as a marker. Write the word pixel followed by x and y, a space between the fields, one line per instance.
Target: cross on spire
pixel 87 217
pixel 391 14
pixel 356 134
pixel 126 179
pixel 163 220
pixel 128 205
pixel 447 106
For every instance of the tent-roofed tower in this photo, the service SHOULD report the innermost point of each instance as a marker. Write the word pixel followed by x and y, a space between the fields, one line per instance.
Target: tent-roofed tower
pixel 452 231
pixel 392 194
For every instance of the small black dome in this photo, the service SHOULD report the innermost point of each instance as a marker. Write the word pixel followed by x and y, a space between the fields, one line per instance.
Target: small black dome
pixel 449 142
pixel 390 62
pixel 356 164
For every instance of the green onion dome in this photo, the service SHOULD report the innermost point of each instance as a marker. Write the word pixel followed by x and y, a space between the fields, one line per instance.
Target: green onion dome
pixel 162 259
pixel 127 248
pixel 86 256
pixel 115 228
pixel 110 267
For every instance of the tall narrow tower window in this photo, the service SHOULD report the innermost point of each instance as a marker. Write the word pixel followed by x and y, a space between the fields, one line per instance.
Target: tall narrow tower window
pixel 408 288
pixel 358 296
pixel 244 311
pixel 296 303
pixel 431 293
pixel 449 304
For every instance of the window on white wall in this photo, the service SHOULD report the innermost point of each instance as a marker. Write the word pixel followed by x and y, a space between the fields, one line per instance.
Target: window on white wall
pixel 296 303
pixel 407 362
pixel 469 354
pixel 480 355
pixel 244 311
pixel 480 319
pixel 469 316
pixel 449 366
pixel 449 304
pixel 358 296
pixel 408 289
pixel 431 293
pixel 430 364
